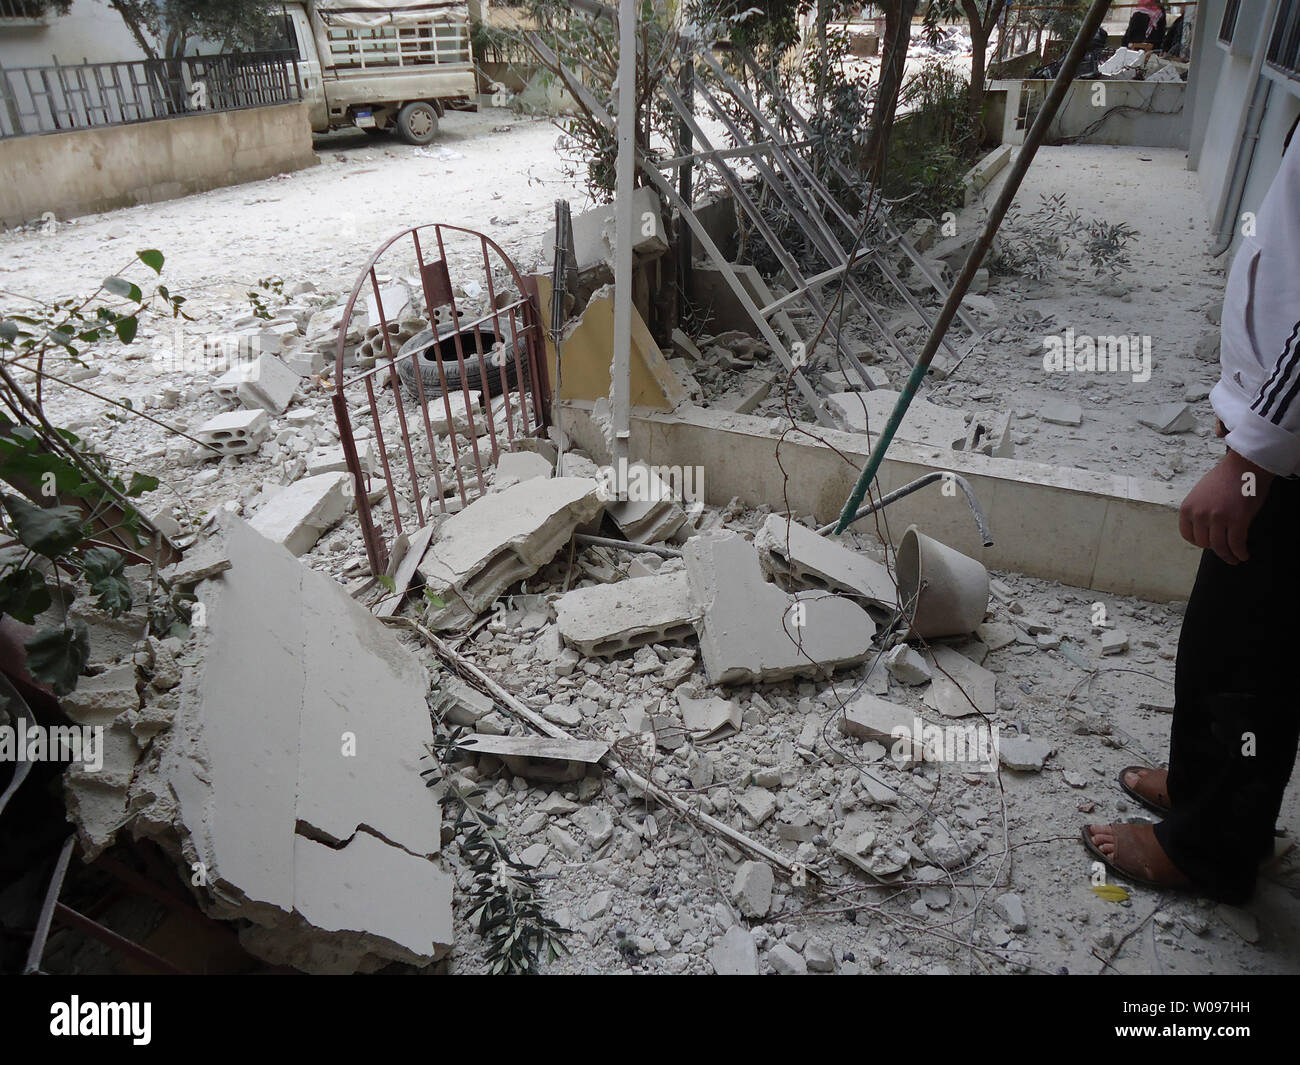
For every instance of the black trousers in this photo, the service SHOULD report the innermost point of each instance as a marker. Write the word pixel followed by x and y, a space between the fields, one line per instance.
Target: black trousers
pixel 1237 705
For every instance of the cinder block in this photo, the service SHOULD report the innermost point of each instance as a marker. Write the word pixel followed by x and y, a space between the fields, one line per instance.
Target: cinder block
pixel 239 432
pixel 608 618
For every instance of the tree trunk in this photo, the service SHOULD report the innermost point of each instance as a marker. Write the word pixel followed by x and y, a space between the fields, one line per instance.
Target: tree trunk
pixel 898 35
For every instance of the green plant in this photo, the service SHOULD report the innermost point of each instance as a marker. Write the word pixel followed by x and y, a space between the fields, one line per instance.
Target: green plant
pixel 66 500
pixel 934 142
pixel 505 908
pixel 267 287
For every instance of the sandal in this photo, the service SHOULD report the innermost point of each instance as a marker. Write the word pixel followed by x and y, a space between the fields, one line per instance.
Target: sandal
pixel 1145 867
pixel 1132 793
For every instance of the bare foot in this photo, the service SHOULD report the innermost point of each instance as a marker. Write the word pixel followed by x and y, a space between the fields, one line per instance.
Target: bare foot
pixel 1151 784
pixel 1134 850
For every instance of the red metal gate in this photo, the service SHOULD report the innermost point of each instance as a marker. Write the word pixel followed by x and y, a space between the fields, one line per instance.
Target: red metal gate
pixel 488 370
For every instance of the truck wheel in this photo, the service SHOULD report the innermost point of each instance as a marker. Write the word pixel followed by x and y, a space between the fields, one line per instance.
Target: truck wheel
pixel 417 122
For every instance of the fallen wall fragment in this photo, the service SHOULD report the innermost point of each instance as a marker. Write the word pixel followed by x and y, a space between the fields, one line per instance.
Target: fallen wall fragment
pixel 289 778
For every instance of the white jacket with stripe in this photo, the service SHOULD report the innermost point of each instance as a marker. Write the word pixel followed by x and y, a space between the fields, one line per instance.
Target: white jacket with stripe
pixel 1258 394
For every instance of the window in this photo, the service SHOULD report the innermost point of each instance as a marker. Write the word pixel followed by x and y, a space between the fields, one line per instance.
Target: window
pixel 1229 25
pixel 1284 44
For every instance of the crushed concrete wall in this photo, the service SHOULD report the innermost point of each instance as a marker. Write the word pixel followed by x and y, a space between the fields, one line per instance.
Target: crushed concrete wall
pixel 289 780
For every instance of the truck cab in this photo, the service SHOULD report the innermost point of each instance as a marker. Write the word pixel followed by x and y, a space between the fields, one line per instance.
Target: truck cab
pixel 381 65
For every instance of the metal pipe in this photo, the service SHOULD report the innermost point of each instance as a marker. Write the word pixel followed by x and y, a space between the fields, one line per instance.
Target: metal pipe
pixel 587 540
pixel 898 493
pixel 1035 137
pixel 625 179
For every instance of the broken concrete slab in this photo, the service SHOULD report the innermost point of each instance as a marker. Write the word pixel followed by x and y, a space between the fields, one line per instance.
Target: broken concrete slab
pixel 540 758
pixel 239 432
pixel 319 834
pixel 97 700
pixel 751 631
pixel 607 619
pixel 796 557
pixel 1060 412
pixel 711 718
pixel 1168 418
pixel 299 514
pixel 752 888
pixel 501 538
pixel 514 467
pixel 267 384
pixel 461 409
pixel 986 432
pixel 1023 753
pixel 1114 641
pixel 871 718
pixel 645 508
pixel 906 666
pixel 960 687
pixel 736 953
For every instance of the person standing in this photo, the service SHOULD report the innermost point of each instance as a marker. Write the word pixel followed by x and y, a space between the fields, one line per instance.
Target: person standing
pixel 1146 27
pixel 1236 720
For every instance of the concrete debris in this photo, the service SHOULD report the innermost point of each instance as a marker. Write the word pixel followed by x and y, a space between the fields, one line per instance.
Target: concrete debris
pixel 515 467
pixel 787 961
pixel 267 384
pixel 758 804
pixel 711 718
pixel 872 718
pixel 751 631
pixel 1023 753
pixel 735 954
pixel 1168 418
pixel 796 557
pixel 499 539
pixel 1060 412
pixel 652 512
pixel 960 686
pixel 1114 641
pixel 320 837
pixel 235 432
pixel 906 666
pixel 300 514
pixel 988 433
pixel 1012 910
pixel 468 703
pixel 752 888
pixel 606 619
pixel 540 758
pixel 97 700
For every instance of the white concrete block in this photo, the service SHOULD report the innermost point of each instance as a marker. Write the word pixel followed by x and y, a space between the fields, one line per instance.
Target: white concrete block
pixel 502 538
pixel 796 557
pixel 268 385
pixel 752 631
pixel 607 619
pixel 238 432
pixel 297 516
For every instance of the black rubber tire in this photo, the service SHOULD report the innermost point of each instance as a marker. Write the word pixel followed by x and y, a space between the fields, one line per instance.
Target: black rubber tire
pixel 421 349
pixel 417 122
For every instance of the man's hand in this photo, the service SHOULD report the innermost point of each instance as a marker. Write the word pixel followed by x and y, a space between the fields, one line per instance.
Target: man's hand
pixel 1217 513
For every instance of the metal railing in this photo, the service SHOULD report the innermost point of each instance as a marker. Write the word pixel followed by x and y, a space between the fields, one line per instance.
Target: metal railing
pixel 23 11
pixel 61 97
pixel 436 412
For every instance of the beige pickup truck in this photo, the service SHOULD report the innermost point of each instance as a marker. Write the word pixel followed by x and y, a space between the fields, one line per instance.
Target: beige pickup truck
pixel 381 65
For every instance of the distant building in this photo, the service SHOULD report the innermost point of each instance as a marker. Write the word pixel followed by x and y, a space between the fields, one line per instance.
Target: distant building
pixel 91 30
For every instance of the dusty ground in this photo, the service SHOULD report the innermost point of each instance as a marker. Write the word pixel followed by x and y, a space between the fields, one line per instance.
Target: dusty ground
pixel 655 897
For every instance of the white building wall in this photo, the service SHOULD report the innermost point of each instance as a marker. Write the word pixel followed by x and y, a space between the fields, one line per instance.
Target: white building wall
pixel 89 31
